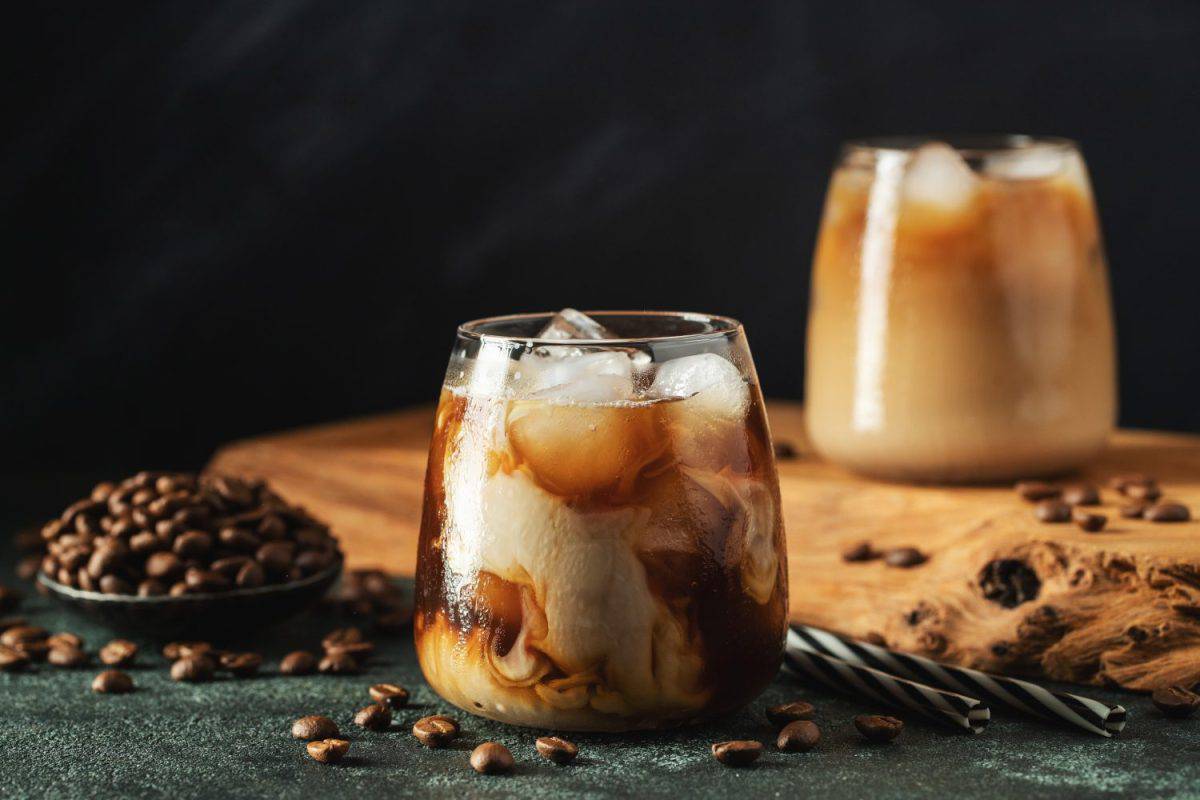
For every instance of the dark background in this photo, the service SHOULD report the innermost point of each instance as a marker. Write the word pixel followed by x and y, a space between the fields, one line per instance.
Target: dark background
pixel 225 218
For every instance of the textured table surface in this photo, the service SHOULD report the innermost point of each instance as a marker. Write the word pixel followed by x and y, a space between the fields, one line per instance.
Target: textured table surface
pixel 230 738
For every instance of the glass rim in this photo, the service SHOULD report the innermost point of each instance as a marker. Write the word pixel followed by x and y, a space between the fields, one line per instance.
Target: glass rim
pixel 965 144
pixel 722 327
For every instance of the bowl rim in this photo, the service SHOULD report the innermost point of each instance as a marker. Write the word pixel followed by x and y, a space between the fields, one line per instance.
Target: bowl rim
pixel 333 570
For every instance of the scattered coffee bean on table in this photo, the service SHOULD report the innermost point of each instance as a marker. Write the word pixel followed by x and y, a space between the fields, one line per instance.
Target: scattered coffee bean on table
pixel 375 717
pixel 737 753
pixel 491 758
pixel 1121 482
pixel 112 681
pixel 435 731
pixel 1052 511
pixel 1133 510
pixel 119 653
pixel 798 737
pixel 1143 491
pixel 193 669
pixel 328 751
pixel 10 599
pixel 173 651
pixel 785 451
pixel 389 694
pixel 12 659
pixel 241 665
pixel 1036 490
pixel 861 551
pixel 1167 512
pixel 67 656
pixel 1176 701
pixel 558 750
pixel 298 662
pixel 784 713
pixel 339 664
pixel 904 557
pixel 875 728
pixel 65 640
pixel 1088 520
pixel 1081 494
pixel 314 727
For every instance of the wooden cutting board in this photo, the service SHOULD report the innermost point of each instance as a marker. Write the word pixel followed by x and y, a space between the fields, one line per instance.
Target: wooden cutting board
pixel 1120 607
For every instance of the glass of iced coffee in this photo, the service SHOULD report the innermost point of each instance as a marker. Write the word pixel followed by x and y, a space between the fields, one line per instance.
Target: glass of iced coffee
pixel 960 326
pixel 601 546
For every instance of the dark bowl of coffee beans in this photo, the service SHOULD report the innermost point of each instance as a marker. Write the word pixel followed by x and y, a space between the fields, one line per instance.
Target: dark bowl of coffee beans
pixel 171 553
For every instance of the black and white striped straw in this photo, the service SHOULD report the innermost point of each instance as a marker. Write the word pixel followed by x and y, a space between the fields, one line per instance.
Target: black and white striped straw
pixel 968 713
pixel 1084 712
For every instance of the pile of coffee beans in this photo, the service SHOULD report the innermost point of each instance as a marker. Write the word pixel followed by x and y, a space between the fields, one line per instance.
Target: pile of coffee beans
pixel 159 533
pixel 1141 498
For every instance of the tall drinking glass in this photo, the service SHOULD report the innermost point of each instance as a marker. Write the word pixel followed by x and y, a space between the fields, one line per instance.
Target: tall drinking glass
pixel 601 546
pixel 960 326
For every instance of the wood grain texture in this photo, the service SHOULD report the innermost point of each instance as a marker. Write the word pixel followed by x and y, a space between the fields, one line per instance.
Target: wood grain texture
pixel 1120 607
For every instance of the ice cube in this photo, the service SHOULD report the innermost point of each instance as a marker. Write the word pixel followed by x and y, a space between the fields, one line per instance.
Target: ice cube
pixel 572 324
pixel 937 175
pixel 712 384
pixel 1022 165
pixel 602 377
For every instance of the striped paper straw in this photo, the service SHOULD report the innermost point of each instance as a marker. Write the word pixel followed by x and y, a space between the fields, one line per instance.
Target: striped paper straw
pixel 958 710
pixel 1084 712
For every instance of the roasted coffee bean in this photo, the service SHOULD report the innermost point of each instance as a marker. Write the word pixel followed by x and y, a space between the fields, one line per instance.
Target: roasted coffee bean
pixel 389 694
pixel 119 653
pixel 298 662
pixel 241 665
pixel 339 664
pixel 203 581
pixel 233 490
pixel 1133 510
pixel 314 727
pixel 19 635
pixel 1120 482
pixel 798 737
pixel 230 565
pixel 173 651
pixel 359 650
pixel 1176 701
pixel 1089 521
pixel 12 659
pixel 862 551
pixel 275 557
pixel 737 753
pixel 84 581
pixel 435 731
pixel 1052 511
pixel 238 539
pixel 112 681
pixel 106 559
pixel 310 562
pixel 102 490
pixel 113 584
pixel 785 451
pixel 878 728
pixel 1036 490
pixel 904 557
pixel 328 751
pixel 375 717
pixel 193 669
pixel 1143 491
pixel 64 640
pixel 164 565
pixel 1167 512
pixel 784 713
pixel 151 588
pixel 144 543
pixel 552 748
pixel 342 636
pixel 491 758
pixel 67 656
pixel 10 599
pixel 1081 494
pixel 192 544
pixel 11 622
pixel 178 589
pixel 250 576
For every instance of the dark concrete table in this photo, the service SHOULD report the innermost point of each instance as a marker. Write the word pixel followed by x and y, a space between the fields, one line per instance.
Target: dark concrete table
pixel 230 738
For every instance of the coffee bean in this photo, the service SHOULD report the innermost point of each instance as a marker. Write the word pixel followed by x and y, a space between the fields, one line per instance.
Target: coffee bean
pixel 19 635
pixel 328 751
pixel 10 600
pixel 271 527
pixel 361 651
pixel 275 557
pixel 342 636
pixel 173 651
pixel 11 622
pixel 233 490
pixel 230 565
pixel 1036 490
pixel 1167 512
pixel 1121 482
pixel 491 758
pixel 193 669
pixel 798 737
pixel 164 565
pixel 238 539
pixel 1089 521
pixel 250 576
pixel 552 748
pixel 339 664
pixel 1133 510
pixel 904 557
pixel 151 588
pixel 784 713
pixel 65 640
pixel 192 544
pixel 1081 494
pixel 178 589
pixel 310 562
pixel 1052 511
pixel 862 551
pixel 878 728
pixel 1143 491
pixel 435 731
pixel 314 727
pixel 112 681
pixel 144 543
pixel 1176 701
pixel 375 717
pixel 105 560
pixel 737 753
pixel 389 694
pixel 113 584
pixel 299 662
pixel 785 451
pixel 12 659
pixel 241 665
pixel 119 653
pixel 67 656
pixel 205 581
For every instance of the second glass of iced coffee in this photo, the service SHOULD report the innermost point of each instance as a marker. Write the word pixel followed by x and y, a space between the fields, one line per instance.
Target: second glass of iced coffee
pixel 602 546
